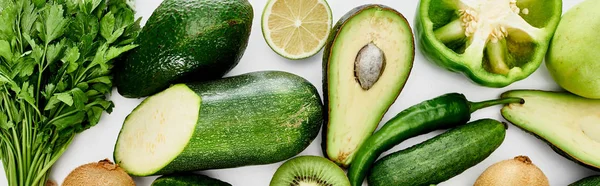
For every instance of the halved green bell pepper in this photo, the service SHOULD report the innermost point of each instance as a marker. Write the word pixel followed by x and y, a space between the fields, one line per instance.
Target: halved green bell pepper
pixel 493 42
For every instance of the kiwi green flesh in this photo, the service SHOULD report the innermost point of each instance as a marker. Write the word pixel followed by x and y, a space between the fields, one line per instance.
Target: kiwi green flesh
pixel 309 171
pixel 515 50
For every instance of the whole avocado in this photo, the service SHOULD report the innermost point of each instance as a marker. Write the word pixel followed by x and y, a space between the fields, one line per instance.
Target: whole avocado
pixel 185 41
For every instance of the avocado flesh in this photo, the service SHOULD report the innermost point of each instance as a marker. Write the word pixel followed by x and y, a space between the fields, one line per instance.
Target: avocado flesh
pixel 354 111
pixel 569 123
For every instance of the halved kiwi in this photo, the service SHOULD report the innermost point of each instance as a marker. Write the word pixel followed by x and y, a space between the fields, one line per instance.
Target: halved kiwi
pixel 309 170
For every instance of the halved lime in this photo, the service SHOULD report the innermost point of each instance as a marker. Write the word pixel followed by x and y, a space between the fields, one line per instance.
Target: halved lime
pixel 296 29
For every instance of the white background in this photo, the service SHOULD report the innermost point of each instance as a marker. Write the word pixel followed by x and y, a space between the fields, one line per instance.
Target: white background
pixel 426 81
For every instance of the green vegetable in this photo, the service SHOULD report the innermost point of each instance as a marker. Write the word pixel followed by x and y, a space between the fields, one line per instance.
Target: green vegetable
pixel 568 123
pixel 188 180
pixel 55 72
pixel 446 111
pixel 440 158
pixel 185 41
pixel 251 119
pixel 366 62
pixel 589 181
pixel 573 55
pixel 494 43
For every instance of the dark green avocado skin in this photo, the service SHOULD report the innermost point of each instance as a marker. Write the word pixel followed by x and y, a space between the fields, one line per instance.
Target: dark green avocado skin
pixel 185 41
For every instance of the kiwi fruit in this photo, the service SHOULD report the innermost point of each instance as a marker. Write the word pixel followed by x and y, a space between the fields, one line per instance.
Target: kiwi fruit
pixel 102 173
pixel 51 183
pixel 309 170
pixel 513 172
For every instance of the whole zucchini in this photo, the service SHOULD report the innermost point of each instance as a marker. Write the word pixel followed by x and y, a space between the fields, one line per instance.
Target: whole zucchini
pixel 440 158
pixel 251 119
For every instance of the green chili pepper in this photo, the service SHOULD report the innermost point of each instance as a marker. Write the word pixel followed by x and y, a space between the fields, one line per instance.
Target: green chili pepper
pixel 494 43
pixel 443 112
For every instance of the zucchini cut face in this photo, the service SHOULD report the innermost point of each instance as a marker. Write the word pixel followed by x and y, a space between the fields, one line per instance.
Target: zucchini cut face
pixel 162 141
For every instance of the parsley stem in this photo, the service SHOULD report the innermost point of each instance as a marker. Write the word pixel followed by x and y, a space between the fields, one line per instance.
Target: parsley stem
pixel 11 163
pixel 55 158
pixel 19 34
pixel 62 116
pixel 35 163
pixel 41 67
pixel 19 155
pixel 32 138
pixel 24 148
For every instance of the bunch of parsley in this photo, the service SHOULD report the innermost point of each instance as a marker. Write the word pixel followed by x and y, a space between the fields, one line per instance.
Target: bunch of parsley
pixel 56 58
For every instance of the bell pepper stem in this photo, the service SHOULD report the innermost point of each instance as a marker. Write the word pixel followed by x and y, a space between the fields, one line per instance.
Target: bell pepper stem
pixel 479 105
pixel 453 31
pixel 496 52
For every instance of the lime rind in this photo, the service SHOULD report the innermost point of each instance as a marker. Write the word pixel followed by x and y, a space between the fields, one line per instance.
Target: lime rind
pixel 281 51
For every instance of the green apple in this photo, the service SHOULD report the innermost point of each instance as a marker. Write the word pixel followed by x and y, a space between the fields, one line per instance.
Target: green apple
pixel 574 55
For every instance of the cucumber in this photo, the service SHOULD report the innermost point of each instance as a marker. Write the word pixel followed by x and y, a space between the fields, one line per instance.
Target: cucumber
pixel 440 158
pixel 188 180
pixel 588 181
pixel 252 119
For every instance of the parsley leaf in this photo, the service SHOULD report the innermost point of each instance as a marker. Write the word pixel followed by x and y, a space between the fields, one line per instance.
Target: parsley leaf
pixel 107 26
pixel 8 14
pixel 65 97
pixel 5 50
pixel 55 23
pixel 56 59
pixel 54 51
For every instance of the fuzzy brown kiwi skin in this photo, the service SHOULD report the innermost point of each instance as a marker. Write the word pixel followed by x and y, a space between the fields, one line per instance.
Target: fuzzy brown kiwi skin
pixel 102 173
pixel 51 183
pixel 517 171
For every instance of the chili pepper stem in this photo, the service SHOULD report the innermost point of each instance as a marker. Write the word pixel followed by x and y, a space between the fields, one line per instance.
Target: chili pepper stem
pixel 479 105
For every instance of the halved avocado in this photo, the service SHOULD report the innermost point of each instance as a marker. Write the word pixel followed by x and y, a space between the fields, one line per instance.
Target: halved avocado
pixel 568 123
pixel 366 62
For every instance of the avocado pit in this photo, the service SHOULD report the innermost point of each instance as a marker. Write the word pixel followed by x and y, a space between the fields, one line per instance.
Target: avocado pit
pixel 369 65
